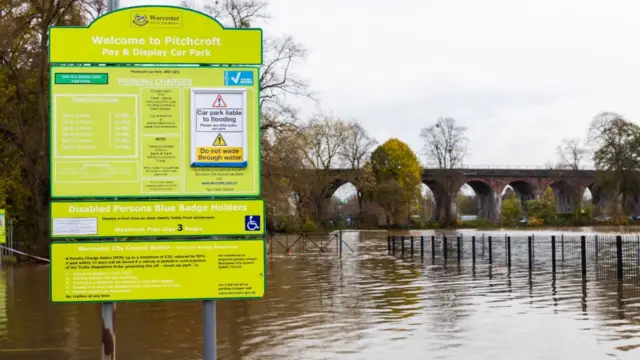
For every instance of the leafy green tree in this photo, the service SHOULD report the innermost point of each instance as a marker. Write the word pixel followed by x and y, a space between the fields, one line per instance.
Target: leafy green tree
pixel 395 161
pixel 544 208
pixel 510 209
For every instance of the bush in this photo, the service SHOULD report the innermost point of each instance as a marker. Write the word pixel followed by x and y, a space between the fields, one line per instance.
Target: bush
pixel 309 226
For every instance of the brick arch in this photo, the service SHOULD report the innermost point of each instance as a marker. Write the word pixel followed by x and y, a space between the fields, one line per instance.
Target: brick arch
pixel 486 202
pixel 337 183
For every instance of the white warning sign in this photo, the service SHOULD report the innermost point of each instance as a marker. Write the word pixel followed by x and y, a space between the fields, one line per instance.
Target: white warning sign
pixel 218 127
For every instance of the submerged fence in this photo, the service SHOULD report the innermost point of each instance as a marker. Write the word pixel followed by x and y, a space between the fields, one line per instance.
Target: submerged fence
pixel 308 242
pixel 600 255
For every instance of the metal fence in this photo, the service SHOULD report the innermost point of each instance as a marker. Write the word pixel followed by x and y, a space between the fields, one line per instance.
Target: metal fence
pixel 308 243
pixel 593 255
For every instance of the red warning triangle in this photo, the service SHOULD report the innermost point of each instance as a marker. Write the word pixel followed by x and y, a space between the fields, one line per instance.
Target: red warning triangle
pixel 219 102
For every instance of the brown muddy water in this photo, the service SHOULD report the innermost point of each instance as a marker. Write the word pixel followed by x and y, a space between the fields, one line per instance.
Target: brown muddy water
pixel 365 304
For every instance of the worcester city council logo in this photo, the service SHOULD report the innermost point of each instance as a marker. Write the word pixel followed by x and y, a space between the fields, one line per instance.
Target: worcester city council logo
pixel 140 20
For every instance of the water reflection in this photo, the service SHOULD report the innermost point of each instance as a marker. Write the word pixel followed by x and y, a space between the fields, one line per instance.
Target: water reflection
pixel 362 305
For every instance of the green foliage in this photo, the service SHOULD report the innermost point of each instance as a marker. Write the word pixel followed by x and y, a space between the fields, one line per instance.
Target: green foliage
pixel 510 210
pixel 397 174
pixel 466 204
pixel 389 195
pixel 543 208
pixel 309 226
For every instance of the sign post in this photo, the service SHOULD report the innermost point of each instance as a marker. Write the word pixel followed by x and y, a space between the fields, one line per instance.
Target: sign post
pixel 139 151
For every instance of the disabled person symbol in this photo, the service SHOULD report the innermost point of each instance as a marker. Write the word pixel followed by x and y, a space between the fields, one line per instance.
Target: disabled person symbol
pixel 252 223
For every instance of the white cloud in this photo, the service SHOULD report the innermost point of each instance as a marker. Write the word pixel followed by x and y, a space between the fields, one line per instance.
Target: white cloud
pixel 521 75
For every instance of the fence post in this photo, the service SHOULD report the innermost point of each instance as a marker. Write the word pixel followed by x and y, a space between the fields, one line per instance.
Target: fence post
pixel 389 244
pixel 473 249
pixel 402 245
pixel 509 251
pixel 340 247
pixel 421 247
pixel 583 254
pixel 459 241
pixel 393 244
pixel 483 245
pixel 433 247
pixel 529 240
pixel 411 246
pixel 562 247
pixel 490 251
pixel 444 247
pixel 533 247
pixel 619 255
pixel 553 253
pixel 596 240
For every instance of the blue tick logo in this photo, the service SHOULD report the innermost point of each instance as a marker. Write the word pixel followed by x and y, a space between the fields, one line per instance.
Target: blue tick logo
pixel 238 78
pixel 252 222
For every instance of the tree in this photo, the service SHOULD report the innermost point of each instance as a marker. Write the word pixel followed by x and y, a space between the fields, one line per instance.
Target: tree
pixel 319 144
pixel 355 152
pixel 395 161
pixel 466 204
pixel 445 143
pixel 510 210
pixel 24 99
pixel 571 153
pixel 544 208
pixel 389 195
pixel 616 155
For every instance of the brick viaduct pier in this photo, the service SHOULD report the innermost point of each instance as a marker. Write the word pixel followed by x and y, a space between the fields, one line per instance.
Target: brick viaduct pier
pixel 489 183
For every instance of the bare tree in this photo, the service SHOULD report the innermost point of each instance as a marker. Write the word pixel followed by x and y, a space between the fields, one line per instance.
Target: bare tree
pixel 445 143
pixel 322 140
pixel 355 151
pixel 357 147
pixel 571 153
pixel 277 77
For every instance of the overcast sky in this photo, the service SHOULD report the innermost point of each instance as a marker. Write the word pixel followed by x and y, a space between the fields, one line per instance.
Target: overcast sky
pixel 521 75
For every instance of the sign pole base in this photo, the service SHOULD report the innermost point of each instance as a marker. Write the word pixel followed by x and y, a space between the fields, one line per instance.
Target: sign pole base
pixel 209 329
pixel 108 331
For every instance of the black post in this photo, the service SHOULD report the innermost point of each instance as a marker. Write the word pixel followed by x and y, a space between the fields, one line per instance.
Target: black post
pixel 509 251
pixel 412 246
pixel 619 253
pixel 490 251
pixel 583 254
pixel 473 249
pixel 402 246
pixel 393 244
pixel 444 247
pixel 421 247
pixel 389 244
pixel 530 253
pixel 553 253
pixel 433 247
pixel 459 241
pixel 562 247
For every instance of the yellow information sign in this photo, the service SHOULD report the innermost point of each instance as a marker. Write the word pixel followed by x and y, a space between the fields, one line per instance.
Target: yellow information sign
pixel 127 132
pixel 94 219
pixel 139 271
pixel 3 227
pixel 155 35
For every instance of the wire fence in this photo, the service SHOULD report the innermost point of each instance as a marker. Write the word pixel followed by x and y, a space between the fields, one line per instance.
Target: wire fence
pixel 599 256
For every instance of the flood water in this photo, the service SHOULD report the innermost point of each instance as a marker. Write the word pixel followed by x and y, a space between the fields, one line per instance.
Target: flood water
pixel 365 304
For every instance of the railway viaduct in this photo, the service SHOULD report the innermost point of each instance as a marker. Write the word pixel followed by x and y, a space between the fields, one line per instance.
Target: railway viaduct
pixel 489 183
